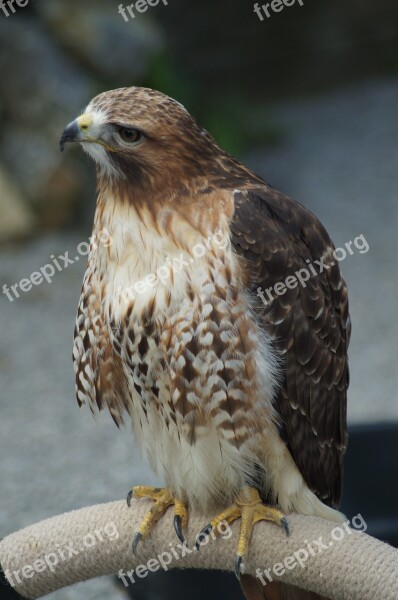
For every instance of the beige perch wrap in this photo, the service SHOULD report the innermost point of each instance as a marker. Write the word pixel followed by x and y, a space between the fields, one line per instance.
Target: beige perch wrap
pixel 96 541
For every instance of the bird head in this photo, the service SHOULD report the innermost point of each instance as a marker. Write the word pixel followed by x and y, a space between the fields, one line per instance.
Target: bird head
pixel 143 136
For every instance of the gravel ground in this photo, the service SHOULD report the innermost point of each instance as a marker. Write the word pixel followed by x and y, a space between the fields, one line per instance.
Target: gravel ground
pixel 339 158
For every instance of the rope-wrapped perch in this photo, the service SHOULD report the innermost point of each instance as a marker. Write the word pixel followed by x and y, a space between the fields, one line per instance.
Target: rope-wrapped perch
pixel 95 541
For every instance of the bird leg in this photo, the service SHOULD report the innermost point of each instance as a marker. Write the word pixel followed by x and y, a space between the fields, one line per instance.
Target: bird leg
pixel 248 507
pixel 163 498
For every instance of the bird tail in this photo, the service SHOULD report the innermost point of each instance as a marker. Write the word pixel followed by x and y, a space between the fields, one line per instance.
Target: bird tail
pixel 253 589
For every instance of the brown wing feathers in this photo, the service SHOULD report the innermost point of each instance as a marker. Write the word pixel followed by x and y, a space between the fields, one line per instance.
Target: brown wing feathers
pixel 277 237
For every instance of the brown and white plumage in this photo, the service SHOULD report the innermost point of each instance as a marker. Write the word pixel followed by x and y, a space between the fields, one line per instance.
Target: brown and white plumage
pixel 222 390
pixel 310 326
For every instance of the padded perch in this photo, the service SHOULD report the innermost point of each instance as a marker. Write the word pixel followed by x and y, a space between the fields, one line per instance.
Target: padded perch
pixel 97 540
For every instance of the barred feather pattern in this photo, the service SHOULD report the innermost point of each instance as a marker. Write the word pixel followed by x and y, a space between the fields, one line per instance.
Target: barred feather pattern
pixel 188 370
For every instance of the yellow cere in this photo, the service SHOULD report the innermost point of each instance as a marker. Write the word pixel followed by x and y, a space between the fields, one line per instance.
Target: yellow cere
pixel 85 121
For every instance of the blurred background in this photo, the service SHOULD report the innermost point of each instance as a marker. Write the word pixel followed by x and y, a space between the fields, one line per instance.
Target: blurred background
pixel 308 98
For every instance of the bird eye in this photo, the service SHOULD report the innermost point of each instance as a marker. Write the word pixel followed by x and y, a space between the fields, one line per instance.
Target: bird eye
pixel 129 135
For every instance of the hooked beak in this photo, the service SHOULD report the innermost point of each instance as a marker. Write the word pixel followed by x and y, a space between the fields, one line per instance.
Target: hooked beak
pixel 77 131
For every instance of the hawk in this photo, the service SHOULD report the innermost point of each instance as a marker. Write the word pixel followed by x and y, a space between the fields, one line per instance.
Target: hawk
pixel 236 401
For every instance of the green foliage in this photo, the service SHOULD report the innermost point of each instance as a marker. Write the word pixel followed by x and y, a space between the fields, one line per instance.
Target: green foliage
pixel 232 120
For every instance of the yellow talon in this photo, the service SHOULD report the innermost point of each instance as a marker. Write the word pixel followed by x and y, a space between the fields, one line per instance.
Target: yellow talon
pixel 163 500
pixel 250 509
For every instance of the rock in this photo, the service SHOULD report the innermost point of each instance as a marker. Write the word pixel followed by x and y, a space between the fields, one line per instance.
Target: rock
pixel 41 85
pixel 36 102
pixel 97 34
pixel 17 220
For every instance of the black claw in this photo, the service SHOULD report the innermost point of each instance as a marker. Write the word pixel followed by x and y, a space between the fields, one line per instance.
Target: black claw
pixel 129 498
pixel 204 531
pixel 178 528
pixel 285 526
pixel 136 541
pixel 238 563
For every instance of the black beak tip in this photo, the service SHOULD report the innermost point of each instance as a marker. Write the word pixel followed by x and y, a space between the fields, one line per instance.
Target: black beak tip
pixel 70 134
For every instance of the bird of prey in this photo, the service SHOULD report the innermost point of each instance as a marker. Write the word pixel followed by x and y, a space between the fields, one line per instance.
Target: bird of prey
pixel 239 404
